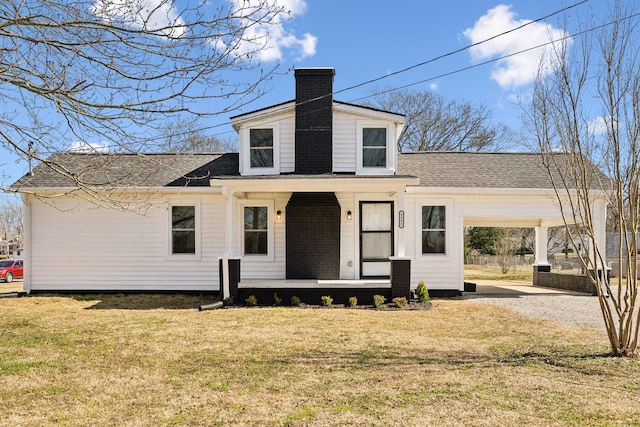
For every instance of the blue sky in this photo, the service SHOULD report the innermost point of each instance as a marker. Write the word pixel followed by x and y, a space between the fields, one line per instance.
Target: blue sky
pixel 368 40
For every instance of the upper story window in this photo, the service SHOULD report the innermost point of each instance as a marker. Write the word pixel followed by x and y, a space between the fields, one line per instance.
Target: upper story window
pixel 433 229
pixel 261 148
pixel 374 147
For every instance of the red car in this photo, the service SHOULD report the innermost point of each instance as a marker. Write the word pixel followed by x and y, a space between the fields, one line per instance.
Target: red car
pixel 11 269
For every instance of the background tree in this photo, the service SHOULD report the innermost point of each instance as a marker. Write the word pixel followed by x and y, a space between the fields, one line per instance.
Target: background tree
pixel 586 113
pixel 483 239
pixel 506 247
pixel 102 76
pixel 11 219
pixel 433 123
pixel 197 142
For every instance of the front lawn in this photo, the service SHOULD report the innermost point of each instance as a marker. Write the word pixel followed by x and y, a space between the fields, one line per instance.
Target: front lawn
pixel 151 360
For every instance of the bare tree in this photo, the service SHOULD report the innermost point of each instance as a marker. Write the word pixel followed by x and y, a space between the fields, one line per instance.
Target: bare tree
pixel 197 142
pixel 598 74
pixel 101 76
pixel 434 124
pixel 506 246
pixel 11 219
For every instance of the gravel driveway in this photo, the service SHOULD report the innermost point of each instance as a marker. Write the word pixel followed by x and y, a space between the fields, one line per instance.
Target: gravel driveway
pixel 570 308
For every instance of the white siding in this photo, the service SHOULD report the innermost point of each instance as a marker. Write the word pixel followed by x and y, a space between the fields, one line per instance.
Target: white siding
pixel 348 236
pixel 287 145
pixel 89 248
pixel 344 142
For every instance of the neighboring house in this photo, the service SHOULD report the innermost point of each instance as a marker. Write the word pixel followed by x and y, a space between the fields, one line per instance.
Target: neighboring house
pixel 316 202
pixel 9 247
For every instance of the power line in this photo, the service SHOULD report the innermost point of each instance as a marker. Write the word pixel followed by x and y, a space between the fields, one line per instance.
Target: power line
pixel 459 70
pixel 454 52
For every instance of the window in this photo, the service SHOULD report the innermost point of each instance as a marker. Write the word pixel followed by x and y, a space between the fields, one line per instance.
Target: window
pixel 375 151
pixel 183 230
pixel 261 148
pixel 374 147
pixel 256 222
pixel 433 229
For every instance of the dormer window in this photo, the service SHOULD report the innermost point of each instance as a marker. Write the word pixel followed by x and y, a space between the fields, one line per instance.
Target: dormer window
pixel 261 148
pixel 374 147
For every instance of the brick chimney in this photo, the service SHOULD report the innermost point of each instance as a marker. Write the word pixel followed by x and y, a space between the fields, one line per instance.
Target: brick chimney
pixel 314 120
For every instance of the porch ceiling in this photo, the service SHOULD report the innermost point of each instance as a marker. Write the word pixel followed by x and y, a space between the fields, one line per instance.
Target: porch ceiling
pixel 513 222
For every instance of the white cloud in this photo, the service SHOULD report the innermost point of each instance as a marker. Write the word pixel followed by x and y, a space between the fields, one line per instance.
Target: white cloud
pixel 273 34
pixel 86 147
pixel 265 40
pixel 598 126
pixel 434 87
pixel 516 70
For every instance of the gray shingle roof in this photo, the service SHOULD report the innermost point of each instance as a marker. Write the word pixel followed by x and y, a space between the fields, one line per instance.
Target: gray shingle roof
pixel 480 170
pixel 434 169
pixel 129 170
pixel 472 169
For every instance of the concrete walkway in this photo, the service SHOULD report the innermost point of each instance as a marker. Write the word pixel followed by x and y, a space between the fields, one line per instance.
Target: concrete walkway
pixel 494 287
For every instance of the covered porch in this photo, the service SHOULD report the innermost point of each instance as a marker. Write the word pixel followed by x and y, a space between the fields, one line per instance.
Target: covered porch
pixel 310 291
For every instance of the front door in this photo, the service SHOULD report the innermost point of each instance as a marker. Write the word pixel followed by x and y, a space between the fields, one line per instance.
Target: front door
pixel 376 239
pixel 313 236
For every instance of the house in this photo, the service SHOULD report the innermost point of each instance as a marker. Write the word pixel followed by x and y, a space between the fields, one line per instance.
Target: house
pixel 316 202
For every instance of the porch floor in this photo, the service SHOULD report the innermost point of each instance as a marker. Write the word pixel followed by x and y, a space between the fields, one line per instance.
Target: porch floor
pixel 313 283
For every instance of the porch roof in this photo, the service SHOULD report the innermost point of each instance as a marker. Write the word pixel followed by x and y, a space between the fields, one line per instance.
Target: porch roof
pixel 325 182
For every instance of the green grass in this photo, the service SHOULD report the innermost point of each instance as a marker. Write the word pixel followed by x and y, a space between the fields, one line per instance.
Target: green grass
pixel 156 360
pixel 477 272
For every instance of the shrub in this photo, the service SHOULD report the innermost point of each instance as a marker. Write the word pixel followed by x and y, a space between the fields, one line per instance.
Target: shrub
pixel 327 301
pixel 422 292
pixel 400 302
pixel 277 301
pixel 251 301
pixel 295 301
pixel 378 300
pixel 353 301
pixel 228 301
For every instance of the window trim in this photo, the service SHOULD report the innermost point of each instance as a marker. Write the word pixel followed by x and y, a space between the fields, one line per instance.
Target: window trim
pixel 448 217
pixel 269 204
pixel 245 150
pixel 390 167
pixel 198 230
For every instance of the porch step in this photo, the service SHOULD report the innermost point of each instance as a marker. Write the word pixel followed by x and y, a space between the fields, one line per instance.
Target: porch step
pixel 311 284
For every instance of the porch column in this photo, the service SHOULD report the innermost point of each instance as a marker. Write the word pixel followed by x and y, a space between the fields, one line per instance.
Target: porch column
pixel 541 246
pixel 223 264
pixel 229 197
